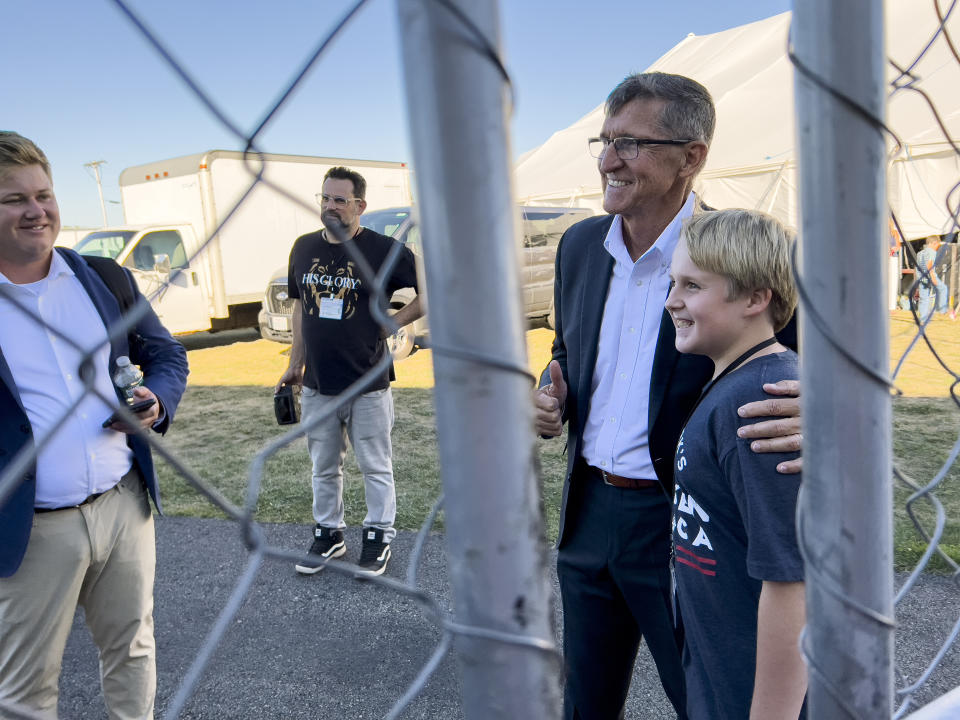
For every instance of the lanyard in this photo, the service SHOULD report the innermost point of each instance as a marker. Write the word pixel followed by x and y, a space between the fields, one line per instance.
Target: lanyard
pixel 726 371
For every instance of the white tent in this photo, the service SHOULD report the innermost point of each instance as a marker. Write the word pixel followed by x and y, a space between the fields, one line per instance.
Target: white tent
pixel 752 161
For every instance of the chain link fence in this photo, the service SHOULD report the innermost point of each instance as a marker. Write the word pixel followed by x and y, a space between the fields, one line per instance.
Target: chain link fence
pixel 922 503
pixel 858 609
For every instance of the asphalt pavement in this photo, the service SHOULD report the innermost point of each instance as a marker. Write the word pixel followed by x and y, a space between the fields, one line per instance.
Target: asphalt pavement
pixel 331 646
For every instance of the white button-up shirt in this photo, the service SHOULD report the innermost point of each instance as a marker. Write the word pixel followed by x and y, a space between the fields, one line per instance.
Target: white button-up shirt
pixel 78 457
pixel 616 435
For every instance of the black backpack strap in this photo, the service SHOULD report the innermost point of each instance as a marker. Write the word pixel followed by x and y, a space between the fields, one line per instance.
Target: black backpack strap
pixel 114 278
pixel 118 283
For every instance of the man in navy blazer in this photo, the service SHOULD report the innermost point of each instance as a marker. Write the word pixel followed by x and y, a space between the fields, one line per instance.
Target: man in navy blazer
pixel 75 520
pixel 618 382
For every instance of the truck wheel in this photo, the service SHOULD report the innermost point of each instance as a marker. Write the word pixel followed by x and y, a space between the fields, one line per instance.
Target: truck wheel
pixel 401 342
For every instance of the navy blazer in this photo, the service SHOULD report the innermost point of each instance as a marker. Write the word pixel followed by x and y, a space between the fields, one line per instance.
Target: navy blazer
pixel 164 364
pixel 583 272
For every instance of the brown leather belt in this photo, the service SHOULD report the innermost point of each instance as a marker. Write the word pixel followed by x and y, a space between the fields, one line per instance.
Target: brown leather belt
pixel 623 482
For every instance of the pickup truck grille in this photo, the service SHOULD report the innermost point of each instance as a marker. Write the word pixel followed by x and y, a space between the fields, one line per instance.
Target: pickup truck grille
pixel 275 304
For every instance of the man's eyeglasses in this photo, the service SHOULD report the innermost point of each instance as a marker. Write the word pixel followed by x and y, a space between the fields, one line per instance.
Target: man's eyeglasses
pixel 627 148
pixel 340 202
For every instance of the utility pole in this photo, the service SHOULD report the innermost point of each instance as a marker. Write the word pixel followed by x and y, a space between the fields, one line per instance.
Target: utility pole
pixel 96 173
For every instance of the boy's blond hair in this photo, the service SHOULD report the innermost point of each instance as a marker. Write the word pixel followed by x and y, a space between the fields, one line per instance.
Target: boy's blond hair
pixel 18 151
pixel 751 249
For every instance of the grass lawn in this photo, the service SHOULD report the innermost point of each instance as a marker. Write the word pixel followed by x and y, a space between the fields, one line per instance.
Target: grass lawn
pixel 226 417
pixel 925 430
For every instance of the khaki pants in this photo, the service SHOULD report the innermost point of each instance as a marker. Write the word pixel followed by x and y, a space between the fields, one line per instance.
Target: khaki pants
pixel 101 556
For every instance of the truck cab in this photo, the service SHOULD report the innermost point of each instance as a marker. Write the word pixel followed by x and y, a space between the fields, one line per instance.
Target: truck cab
pixel 162 260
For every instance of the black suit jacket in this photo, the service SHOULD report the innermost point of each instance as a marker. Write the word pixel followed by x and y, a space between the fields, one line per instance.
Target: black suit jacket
pixel 583 271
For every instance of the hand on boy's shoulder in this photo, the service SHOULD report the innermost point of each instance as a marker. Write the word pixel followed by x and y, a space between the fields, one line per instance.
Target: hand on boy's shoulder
pixel 780 434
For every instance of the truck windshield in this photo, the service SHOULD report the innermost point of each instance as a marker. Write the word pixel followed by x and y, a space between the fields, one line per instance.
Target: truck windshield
pixel 385 222
pixel 106 243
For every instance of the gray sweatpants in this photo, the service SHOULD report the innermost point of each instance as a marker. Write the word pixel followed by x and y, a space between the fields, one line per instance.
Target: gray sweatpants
pixel 367 421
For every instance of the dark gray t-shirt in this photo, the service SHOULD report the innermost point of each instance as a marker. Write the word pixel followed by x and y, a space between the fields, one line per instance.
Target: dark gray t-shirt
pixel 733 528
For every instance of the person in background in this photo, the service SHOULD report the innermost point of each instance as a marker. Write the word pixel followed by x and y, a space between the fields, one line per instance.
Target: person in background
pixel 336 340
pixel 933 290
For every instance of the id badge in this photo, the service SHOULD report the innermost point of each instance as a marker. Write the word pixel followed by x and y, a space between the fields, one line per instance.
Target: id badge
pixel 331 308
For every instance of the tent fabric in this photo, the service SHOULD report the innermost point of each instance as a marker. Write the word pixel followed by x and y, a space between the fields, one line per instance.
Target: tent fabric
pixel 752 161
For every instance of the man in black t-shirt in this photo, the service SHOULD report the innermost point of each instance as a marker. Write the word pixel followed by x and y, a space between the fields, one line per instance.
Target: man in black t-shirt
pixel 336 342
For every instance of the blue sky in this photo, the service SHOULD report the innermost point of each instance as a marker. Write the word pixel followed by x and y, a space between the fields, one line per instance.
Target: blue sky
pixel 85 85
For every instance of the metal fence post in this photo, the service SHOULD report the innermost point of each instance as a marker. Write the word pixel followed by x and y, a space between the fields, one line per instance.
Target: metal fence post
pixel 456 93
pixel 846 509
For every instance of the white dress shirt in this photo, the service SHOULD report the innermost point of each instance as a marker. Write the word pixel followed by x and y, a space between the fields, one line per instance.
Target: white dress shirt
pixel 616 435
pixel 78 458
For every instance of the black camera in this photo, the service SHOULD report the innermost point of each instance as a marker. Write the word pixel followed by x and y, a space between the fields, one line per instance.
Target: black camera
pixel 286 405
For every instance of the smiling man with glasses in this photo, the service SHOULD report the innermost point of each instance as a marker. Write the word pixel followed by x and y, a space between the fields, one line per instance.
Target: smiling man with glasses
pixel 624 391
pixel 336 341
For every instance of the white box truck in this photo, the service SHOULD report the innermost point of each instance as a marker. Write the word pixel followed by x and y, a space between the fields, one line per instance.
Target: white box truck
pixel 172 207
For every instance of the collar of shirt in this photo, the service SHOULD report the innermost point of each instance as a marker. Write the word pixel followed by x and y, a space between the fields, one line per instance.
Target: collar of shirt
pixel 58 267
pixel 662 248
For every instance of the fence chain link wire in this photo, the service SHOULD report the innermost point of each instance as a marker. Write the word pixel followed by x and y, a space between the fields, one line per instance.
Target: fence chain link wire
pixel 253 537
pixel 922 494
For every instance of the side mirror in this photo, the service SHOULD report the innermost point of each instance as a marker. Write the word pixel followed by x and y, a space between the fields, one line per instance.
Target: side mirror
pixel 161 263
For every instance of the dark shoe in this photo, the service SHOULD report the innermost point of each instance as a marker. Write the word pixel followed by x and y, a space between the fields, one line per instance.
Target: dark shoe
pixel 327 544
pixel 375 553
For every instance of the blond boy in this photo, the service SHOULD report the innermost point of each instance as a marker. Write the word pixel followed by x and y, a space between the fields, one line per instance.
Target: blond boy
pixel 738 569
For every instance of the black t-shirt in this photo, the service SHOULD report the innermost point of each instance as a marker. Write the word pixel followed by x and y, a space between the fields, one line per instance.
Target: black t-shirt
pixel 733 528
pixel 341 338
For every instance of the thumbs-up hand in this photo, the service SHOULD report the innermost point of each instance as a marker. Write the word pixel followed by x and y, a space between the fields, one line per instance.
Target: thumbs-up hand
pixel 549 402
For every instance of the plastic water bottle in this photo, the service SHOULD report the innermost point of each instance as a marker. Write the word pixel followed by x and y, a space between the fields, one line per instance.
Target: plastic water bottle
pixel 127 378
